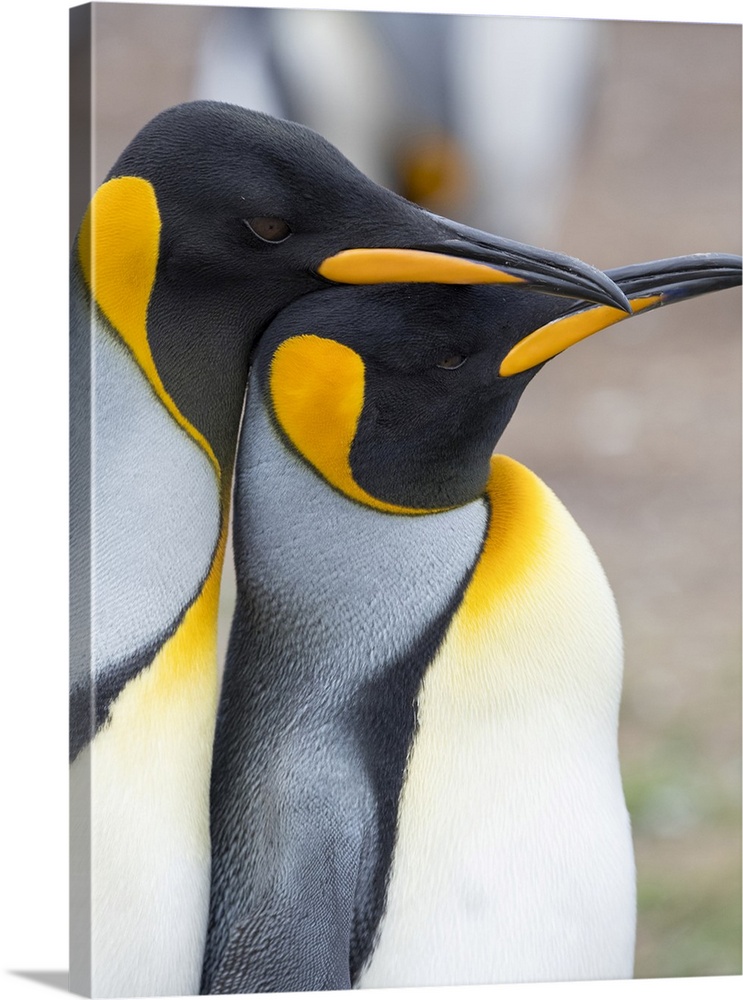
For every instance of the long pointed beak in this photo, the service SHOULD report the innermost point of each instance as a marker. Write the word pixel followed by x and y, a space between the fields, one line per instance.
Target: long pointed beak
pixel 647 286
pixel 459 255
pixel 678 278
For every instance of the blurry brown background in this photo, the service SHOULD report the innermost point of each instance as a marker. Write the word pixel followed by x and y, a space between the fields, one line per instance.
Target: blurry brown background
pixel 637 430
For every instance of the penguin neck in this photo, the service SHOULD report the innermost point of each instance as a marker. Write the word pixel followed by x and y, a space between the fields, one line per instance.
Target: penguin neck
pixel 201 337
pixel 534 551
pixel 310 554
pixel 160 513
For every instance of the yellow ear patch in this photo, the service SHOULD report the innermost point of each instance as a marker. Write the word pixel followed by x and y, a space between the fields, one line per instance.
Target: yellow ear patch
pixel 317 392
pixel 557 336
pixel 118 248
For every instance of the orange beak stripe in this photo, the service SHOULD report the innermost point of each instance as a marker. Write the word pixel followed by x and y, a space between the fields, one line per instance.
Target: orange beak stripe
pixel 381 266
pixel 557 336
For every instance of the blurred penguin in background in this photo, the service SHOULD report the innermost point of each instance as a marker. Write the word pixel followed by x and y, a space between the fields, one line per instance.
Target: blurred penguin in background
pixel 478 117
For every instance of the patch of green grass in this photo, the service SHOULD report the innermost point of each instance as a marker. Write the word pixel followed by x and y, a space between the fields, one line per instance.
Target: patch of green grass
pixel 676 790
pixel 685 933
pixel 686 826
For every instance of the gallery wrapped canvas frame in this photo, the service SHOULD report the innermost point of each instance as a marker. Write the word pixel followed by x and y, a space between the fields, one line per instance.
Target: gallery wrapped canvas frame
pixel 689 799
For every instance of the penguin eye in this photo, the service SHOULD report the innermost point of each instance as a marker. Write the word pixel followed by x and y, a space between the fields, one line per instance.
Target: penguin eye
pixel 453 361
pixel 269 230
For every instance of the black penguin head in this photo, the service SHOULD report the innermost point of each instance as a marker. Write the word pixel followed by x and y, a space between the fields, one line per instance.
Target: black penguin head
pixel 215 218
pixel 398 396
pixel 393 395
pixel 249 198
pixel 252 200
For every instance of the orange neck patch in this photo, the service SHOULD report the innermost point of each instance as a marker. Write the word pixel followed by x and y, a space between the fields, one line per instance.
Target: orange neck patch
pixel 516 539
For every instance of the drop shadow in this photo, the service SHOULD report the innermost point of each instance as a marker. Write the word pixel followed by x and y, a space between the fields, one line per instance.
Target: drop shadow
pixel 56 980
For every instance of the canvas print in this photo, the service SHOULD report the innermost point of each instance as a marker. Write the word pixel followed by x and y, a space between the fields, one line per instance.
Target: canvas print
pixel 377 680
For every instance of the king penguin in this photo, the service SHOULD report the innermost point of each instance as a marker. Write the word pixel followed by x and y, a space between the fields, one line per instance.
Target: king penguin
pixel 416 777
pixel 211 222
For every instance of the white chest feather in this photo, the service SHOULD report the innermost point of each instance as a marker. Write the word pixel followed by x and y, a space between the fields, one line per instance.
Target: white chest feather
pixel 513 859
pixel 140 837
pixel 141 808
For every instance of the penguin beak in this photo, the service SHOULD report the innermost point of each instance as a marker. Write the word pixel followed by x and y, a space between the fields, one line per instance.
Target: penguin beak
pixel 647 286
pixel 458 255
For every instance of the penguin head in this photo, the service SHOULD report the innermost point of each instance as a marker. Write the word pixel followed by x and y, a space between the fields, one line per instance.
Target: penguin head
pixel 273 207
pixel 397 397
pixel 215 218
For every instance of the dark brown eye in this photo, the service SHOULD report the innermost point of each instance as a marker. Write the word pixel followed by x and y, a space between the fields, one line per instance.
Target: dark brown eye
pixel 270 230
pixel 454 361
